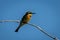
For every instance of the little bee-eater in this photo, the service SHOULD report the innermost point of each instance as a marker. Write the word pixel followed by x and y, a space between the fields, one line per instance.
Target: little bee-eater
pixel 25 19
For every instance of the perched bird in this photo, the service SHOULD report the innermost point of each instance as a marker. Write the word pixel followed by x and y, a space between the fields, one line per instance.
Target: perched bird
pixel 25 19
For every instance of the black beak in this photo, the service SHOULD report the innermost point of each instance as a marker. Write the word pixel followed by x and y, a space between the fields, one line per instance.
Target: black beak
pixel 33 13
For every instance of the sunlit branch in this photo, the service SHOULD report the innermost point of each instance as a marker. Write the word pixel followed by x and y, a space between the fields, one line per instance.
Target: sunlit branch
pixel 39 28
pixel 10 21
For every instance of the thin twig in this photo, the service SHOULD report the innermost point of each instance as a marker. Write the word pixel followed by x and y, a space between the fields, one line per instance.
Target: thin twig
pixel 39 28
pixel 9 21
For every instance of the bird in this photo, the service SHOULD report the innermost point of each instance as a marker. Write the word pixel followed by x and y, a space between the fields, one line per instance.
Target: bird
pixel 25 19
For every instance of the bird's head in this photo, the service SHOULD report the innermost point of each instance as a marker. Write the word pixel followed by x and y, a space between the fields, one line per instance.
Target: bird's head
pixel 29 13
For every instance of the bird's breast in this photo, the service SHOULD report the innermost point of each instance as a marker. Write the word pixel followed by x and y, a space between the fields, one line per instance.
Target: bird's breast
pixel 26 20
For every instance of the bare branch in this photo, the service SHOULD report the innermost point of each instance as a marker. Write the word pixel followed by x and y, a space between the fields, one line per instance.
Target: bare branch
pixel 10 21
pixel 39 28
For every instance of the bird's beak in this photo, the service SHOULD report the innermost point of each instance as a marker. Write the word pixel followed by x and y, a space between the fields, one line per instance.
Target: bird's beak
pixel 33 13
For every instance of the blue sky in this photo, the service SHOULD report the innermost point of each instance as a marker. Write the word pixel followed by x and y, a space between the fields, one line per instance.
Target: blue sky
pixel 47 16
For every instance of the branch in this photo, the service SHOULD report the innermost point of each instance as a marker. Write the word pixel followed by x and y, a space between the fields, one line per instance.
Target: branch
pixel 39 28
pixel 9 21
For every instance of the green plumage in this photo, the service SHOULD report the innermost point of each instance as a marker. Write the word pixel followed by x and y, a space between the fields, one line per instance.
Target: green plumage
pixel 23 21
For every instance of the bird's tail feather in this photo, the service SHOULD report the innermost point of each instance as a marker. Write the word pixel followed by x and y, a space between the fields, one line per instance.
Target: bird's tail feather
pixel 17 28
